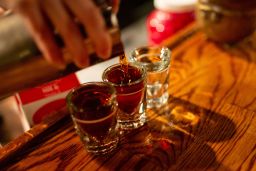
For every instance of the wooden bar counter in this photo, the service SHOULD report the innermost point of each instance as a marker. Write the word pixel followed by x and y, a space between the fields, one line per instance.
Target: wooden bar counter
pixel 209 122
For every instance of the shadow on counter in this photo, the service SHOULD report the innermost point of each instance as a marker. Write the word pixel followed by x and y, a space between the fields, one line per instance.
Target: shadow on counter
pixel 175 137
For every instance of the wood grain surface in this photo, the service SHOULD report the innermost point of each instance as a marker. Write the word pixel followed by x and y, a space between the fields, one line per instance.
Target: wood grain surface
pixel 209 122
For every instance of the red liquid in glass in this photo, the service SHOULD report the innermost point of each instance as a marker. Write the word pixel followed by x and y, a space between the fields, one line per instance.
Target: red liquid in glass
pixel 130 91
pixel 96 115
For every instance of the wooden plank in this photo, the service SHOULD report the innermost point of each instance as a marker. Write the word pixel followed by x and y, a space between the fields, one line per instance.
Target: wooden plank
pixel 19 143
pixel 212 141
pixel 203 71
pixel 209 122
pixel 36 133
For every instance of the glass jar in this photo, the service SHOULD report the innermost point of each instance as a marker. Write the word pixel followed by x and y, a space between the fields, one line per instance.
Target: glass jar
pixel 226 21
pixel 168 17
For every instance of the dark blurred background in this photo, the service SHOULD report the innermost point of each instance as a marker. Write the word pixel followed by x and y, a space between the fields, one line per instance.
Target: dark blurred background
pixel 132 17
pixel 132 10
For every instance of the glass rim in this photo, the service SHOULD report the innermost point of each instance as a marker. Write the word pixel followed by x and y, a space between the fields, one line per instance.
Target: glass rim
pixel 71 93
pixel 143 76
pixel 133 56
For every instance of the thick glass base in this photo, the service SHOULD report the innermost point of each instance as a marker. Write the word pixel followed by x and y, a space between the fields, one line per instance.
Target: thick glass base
pixel 157 102
pixel 103 149
pixel 129 124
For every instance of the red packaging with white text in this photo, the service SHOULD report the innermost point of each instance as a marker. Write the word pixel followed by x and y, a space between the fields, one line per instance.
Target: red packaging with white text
pixel 40 101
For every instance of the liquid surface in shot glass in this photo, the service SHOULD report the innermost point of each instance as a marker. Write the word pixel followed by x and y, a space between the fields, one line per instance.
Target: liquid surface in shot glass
pixel 129 84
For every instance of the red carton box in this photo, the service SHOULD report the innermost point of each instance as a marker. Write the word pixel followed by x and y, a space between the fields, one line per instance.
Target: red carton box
pixel 42 100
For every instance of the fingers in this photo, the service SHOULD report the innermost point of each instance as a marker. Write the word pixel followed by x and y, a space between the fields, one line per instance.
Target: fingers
pixel 115 5
pixel 89 15
pixel 38 12
pixel 41 33
pixel 68 30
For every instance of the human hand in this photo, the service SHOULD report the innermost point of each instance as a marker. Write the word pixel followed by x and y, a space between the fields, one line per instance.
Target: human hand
pixel 41 15
pixel 1 10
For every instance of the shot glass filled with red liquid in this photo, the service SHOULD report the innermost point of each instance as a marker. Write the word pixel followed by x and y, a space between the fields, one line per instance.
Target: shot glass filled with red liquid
pixel 130 84
pixel 93 108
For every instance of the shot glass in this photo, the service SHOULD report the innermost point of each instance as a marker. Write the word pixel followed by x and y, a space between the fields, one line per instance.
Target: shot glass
pixel 130 84
pixel 93 109
pixel 156 60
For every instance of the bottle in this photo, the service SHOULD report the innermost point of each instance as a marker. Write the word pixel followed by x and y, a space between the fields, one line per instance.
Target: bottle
pixel 168 17
pixel 21 63
pixel 226 21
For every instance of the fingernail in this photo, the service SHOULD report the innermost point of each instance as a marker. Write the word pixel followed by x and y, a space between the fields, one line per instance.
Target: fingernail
pixel 104 52
pixel 60 66
pixel 82 62
pixel 60 63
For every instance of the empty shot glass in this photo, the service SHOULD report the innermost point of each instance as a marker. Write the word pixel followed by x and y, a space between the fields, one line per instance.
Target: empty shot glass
pixel 130 84
pixel 93 109
pixel 156 60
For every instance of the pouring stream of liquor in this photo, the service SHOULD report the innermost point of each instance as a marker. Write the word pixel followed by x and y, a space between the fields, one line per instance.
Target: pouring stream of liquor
pixel 124 67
